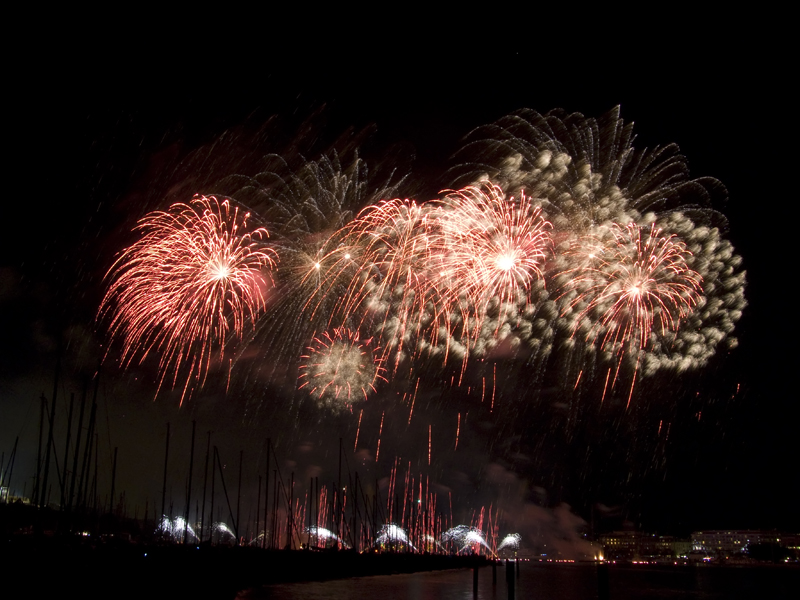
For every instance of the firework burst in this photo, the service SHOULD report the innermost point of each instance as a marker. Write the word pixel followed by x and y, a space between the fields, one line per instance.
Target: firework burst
pixel 489 262
pixel 387 252
pixel 341 368
pixel 308 208
pixel 630 286
pixel 541 204
pixel 585 171
pixel 589 179
pixel 449 277
pixel 191 283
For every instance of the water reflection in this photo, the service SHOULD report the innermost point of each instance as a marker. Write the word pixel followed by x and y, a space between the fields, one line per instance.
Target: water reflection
pixel 551 582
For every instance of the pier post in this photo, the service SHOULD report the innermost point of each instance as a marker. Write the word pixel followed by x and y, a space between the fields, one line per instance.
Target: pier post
pixel 164 486
pixel 602 581
pixel 510 579
pixel 475 580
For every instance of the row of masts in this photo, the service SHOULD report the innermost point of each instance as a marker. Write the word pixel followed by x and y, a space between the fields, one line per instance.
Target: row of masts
pixel 77 487
pixel 350 514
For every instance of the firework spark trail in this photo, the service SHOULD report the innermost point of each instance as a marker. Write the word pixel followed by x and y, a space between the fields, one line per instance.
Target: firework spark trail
pixel 358 429
pixel 586 171
pixel 380 432
pixel 392 484
pixel 340 365
pixel 429 443
pixel 192 281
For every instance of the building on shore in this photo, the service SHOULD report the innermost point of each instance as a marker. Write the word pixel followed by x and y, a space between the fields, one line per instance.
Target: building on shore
pixel 632 545
pixel 726 543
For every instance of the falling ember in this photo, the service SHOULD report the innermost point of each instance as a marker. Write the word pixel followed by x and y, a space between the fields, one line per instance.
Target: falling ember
pixel 458 430
pixel 358 429
pixel 380 432
pixel 429 444
pixel 188 286
pixel 413 401
pixel 633 381
pixel 494 384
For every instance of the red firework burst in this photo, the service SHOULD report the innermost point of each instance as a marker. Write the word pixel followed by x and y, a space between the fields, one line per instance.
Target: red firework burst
pixel 631 285
pixel 194 278
pixel 491 247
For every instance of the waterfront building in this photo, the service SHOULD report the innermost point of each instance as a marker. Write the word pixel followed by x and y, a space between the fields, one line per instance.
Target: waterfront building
pixel 730 542
pixel 637 544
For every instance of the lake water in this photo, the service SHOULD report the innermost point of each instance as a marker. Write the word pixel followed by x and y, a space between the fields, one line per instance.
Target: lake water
pixel 554 582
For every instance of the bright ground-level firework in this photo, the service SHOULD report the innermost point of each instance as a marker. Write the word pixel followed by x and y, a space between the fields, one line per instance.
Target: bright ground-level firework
pixel 323 537
pixel 340 368
pixel 393 536
pixel 465 538
pixel 510 542
pixel 193 280
pixel 175 529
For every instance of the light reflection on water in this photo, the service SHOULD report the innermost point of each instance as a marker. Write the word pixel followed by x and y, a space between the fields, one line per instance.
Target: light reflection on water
pixel 550 582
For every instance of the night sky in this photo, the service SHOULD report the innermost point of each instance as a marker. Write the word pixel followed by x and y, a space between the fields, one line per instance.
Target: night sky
pixel 112 145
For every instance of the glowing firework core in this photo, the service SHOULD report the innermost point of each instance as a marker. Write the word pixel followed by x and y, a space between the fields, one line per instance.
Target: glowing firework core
pixel 505 262
pixel 219 269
